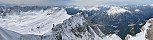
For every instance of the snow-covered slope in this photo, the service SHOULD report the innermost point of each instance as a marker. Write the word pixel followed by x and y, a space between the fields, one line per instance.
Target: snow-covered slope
pixel 116 10
pixel 34 22
pixel 37 23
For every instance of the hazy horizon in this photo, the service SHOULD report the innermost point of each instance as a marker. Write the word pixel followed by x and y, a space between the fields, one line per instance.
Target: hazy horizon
pixel 75 2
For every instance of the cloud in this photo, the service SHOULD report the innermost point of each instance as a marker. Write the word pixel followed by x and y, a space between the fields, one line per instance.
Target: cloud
pixel 36 2
pixel 88 2
pixel 22 1
pixel 110 2
pixel 59 2
pixel 75 2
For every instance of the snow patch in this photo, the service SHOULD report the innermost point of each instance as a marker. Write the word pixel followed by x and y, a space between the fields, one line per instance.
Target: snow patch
pixel 116 10
pixel 112 37
pixel 151 5
pixel 137 10
pixel 88 8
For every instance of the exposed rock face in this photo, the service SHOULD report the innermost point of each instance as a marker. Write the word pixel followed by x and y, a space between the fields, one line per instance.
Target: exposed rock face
pixel 145 34
pixel 75 28
pixel 149 34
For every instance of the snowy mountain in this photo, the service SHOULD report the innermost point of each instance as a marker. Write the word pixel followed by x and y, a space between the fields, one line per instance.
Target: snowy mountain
pixel 75 23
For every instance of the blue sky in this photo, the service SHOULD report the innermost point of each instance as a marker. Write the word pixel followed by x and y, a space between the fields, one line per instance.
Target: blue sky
pixel 75 2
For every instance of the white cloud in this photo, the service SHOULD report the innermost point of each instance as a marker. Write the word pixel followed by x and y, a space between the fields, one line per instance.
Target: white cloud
pixel 22 1
pixel 75 2
pixel 88 2
pixel 110 2
pixel 36 2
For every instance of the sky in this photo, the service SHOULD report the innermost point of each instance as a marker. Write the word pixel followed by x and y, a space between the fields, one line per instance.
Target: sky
pixel 75 2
